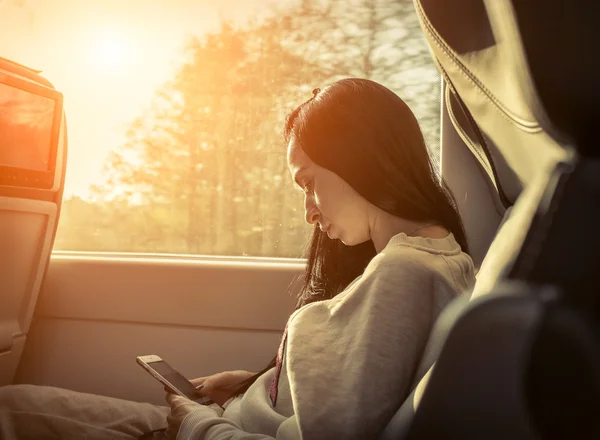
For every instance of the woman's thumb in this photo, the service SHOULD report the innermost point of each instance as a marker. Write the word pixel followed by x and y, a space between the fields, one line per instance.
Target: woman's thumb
pixel 198 382
pixel 210 383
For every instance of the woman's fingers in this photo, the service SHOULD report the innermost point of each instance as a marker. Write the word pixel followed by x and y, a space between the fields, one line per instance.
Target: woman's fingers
pixel 221 380
pixel 219 396
pixel 227 380
pixel 198 381
pixel 208 383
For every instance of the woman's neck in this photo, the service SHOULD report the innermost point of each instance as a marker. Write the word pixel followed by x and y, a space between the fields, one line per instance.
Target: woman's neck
pixel 384 226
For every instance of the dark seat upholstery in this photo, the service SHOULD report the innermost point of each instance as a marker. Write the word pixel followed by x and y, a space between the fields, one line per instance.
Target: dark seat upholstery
pixel 521 360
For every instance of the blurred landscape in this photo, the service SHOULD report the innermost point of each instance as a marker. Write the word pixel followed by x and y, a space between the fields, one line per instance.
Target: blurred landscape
pixel 202 169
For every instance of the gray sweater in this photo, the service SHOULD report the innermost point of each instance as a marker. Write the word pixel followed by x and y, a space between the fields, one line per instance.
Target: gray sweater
pixel 349 362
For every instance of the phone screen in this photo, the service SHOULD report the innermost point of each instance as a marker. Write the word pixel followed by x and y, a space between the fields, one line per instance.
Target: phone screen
pixel 171 378
pixel 174 377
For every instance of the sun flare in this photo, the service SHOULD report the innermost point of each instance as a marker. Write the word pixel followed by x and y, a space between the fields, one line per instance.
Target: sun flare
pixel 110 50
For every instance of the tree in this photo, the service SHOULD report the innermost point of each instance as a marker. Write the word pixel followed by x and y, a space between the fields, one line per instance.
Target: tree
pixel 203 170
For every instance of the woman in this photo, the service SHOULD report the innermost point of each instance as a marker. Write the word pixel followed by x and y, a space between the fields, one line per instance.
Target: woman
pixel 388 252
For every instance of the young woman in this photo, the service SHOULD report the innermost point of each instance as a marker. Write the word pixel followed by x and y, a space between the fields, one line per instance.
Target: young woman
pixel 388 252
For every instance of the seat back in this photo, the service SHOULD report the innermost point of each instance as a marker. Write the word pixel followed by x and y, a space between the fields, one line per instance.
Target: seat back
pixel 504 106
pixel 474 190
pixel 521 360
pixel 33 148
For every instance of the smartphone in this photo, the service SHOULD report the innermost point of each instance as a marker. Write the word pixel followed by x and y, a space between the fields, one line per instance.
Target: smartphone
pixel 171 378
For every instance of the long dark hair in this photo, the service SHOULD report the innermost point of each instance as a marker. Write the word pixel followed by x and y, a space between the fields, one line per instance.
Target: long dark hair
pixel 368 136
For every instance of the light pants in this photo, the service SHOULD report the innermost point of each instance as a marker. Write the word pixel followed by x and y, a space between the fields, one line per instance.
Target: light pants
pixel 40 413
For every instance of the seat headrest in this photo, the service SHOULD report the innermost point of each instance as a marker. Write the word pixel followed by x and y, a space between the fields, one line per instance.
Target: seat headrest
pixel 491 78
pixel 557 39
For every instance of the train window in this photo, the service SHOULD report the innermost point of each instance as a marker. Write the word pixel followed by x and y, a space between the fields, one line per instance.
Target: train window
pixel 175 110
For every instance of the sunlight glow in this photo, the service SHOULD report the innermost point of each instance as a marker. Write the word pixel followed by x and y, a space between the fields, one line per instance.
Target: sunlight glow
pixel 110 50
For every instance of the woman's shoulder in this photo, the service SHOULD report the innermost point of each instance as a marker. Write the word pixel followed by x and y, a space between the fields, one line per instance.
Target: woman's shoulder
pixel 418 257
pixel 422 248
pixel 398 254
pixel 399 266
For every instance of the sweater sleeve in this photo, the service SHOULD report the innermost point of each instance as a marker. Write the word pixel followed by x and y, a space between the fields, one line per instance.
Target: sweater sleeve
pixel 350 361
pixel 204 423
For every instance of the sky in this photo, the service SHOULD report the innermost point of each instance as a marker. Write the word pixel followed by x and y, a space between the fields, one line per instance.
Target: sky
pixel 107 57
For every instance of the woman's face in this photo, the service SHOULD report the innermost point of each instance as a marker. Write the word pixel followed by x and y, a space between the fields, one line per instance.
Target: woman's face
pixel 328 200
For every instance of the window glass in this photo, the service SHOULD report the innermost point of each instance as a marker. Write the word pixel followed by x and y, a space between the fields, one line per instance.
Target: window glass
pixel 175 110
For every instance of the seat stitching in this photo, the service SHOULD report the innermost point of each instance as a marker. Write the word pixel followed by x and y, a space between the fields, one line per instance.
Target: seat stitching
pixel 529 126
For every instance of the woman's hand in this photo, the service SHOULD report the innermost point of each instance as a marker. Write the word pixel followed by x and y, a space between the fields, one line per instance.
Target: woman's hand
pixel 220 386
pixel 180 408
